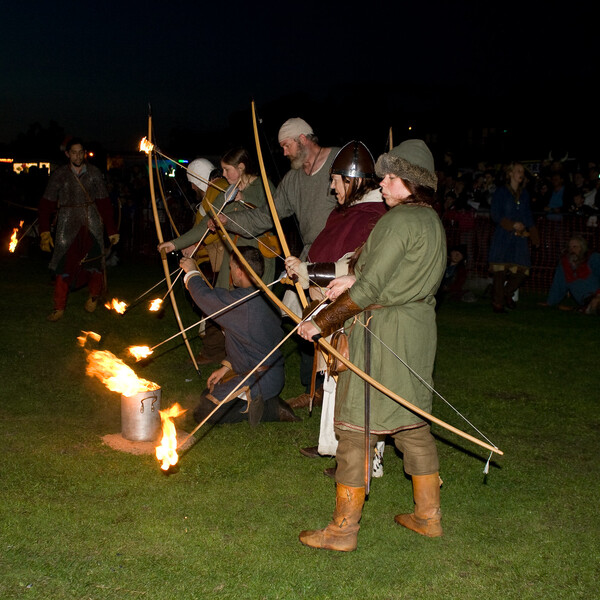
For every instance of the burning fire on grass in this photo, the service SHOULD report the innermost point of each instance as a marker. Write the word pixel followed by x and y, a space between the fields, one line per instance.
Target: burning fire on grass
pixel 167 451
pixel 117 305
pixel 12 245
pixel 83 338
pixel 119 377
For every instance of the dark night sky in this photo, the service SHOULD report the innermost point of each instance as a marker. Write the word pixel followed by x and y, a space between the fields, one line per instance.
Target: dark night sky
pixel 94 67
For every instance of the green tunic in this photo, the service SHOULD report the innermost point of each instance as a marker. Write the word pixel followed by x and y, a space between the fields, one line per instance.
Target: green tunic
pixel 400 268
pixel 254 194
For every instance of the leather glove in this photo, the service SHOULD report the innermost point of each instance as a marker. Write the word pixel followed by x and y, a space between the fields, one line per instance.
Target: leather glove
pixel 46 243
pixel 114 238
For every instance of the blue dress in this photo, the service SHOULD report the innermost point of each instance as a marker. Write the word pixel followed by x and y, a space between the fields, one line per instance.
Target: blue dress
pixel 506 247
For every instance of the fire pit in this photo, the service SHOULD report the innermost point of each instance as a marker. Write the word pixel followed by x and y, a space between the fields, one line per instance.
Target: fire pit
pixel 142 420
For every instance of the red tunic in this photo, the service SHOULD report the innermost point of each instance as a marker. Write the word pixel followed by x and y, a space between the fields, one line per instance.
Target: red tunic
pixel 345 231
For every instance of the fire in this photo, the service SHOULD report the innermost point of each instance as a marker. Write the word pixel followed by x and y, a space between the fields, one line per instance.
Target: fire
pixel 12 246
pixel 117 305
pixel 146 146
pixel 116 375
pixel 139 352
pixel 167 451
pixel 13 240
pixel 82 339
pixel 156 304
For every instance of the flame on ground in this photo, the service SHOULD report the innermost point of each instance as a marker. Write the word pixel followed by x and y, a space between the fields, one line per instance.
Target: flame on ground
pixel 146 146
pixel 82 339
pixel 12 245
pixel 155 305
pixel 139 352
pixel 117 305
pixel 116 375
pixel 167 451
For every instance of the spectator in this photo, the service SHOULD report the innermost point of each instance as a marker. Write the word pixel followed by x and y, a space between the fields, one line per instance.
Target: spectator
pixel 455 276
pixel 577 274
pixel 578 207
pixel 509 257
pixel 558 197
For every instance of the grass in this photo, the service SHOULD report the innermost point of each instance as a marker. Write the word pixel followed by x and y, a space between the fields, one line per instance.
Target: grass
pixel 80 520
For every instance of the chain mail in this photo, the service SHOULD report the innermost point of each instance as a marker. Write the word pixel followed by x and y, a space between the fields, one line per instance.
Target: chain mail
pixel 76 210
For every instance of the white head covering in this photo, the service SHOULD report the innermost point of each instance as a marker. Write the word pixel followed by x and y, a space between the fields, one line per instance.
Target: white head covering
pixel 200 168
pixel 294 128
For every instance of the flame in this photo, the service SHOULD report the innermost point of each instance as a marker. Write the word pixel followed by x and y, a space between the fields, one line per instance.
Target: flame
pixel 146 146
pixel 117 305
pixel 116 375
pixel 12 245
pixel 155 305
pixel 167 451
pixel 82 339
pixel 139 352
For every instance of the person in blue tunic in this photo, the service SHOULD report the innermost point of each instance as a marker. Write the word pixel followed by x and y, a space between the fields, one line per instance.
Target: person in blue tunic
pixel 577 273
pixel 252 330
pixel 510 258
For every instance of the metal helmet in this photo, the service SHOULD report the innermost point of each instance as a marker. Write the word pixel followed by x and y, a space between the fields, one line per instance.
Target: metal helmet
pixel 200 168
pixel 354 160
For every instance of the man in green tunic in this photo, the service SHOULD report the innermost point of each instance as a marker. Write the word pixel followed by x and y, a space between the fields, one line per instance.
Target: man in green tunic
pixel 396 278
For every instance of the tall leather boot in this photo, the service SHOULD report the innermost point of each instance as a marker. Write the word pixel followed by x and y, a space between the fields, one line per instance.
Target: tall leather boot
pixel 513 283
pixel 61 291
pixel 498 291
pixel 342 533
pixel 95 284
pixel 427 517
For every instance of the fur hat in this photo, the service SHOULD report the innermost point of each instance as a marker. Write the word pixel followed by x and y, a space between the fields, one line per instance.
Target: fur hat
pixel 200 168
pixel 293 128
pixel 411 160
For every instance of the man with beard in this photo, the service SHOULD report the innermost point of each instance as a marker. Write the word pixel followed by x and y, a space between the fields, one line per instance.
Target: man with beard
pixel 577 273
pixel 77 194
pixel 303 192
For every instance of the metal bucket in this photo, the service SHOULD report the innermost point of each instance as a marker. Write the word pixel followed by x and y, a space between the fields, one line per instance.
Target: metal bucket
pixel 140 419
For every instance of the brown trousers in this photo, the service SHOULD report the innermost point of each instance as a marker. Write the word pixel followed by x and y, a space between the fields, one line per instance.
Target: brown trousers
pixel 417 446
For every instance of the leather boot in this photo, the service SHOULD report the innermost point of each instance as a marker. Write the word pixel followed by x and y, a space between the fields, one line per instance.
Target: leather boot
pixel 95 283
pixel 303 400
pixel 513 283
pixel 498 291
pixel 285 413
pixel 61 291
pixel 427 517
pixel 342 533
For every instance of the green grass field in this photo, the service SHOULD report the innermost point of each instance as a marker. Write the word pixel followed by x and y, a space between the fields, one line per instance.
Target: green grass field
pixel 80 520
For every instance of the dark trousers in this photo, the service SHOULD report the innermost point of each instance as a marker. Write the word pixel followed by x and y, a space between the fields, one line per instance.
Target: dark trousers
pixel 237 410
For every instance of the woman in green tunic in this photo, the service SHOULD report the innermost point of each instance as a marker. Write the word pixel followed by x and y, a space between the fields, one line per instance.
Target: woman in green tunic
pixel 238 169
pixel 393 291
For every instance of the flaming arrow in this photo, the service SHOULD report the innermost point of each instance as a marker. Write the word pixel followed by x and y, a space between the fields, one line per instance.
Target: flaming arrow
pixel 331 350
pixel 162 252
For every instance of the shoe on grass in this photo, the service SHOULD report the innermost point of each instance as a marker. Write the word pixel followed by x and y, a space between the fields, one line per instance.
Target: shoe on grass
pixel 90 304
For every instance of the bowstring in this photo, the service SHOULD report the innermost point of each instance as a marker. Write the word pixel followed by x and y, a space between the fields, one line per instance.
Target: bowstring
pixel 432 390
